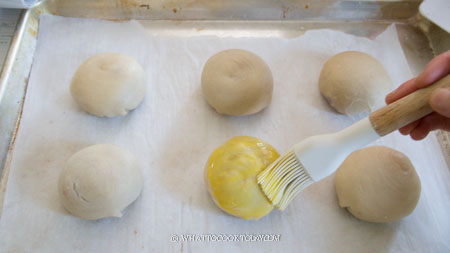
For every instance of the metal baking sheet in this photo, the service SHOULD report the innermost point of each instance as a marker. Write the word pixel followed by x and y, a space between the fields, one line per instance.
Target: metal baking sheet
pixel 418 46
pixel 174 131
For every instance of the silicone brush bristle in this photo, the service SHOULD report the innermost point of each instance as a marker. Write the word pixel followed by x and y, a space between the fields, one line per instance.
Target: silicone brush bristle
pixel 283 180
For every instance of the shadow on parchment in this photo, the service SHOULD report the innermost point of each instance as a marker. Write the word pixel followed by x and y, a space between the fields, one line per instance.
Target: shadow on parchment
pixel 185 151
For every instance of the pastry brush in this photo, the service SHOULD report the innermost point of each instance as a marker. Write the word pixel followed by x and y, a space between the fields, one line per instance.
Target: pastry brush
pixel 319 156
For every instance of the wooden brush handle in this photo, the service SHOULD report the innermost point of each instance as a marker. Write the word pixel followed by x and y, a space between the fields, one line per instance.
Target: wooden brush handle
pixel 405 110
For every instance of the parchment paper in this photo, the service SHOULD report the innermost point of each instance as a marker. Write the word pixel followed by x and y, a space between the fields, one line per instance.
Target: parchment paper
pixel 172 135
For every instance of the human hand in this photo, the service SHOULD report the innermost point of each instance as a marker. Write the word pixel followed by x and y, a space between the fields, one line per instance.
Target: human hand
pixel 439 99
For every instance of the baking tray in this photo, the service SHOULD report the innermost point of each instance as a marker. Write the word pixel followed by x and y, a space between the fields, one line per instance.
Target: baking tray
pixel 420 39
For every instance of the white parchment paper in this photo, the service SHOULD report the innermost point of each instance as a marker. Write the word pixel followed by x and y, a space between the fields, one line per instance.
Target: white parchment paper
pixel 172 135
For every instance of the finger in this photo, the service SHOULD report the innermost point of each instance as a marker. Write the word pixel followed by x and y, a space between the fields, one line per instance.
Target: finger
pixel 403 90
pixel 419 134
pixel 408 128
pixel 440 101
pixel 436 121
pixel 421 130
pixel 429 123
pixel 436 69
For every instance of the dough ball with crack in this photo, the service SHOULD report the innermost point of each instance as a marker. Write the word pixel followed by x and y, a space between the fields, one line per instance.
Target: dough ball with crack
pixel 378 184
pixel 109 85
pixel 100 181
pixel 230 176
pixel 354 82
pixel 237 82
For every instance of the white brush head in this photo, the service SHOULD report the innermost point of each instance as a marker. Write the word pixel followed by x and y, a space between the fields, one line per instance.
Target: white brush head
pixel 283 179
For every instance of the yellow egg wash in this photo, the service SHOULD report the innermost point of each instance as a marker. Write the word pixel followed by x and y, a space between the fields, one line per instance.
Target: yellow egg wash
pixel 231 173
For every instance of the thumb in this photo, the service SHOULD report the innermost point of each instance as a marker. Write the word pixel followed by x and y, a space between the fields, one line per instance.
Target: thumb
pixel 440 101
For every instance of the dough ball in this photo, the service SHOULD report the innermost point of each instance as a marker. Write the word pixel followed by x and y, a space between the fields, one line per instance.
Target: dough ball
pixel 230 176
pixel 108 85
pixel 378 184
pixel 354 82
pixel 237 82
pixel 100 181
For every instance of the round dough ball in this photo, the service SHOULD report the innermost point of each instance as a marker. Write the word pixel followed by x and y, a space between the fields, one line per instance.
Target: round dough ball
pixel 378 184
pixel 354 82
pixel 230 176
pixel 109 85
pixel 237 82
pixel 100 181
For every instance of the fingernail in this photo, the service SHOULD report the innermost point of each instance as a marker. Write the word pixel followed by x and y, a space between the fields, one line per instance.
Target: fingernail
pixel 440 101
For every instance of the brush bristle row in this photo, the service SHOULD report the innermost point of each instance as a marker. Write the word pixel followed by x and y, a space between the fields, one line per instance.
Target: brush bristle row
pixel 283 180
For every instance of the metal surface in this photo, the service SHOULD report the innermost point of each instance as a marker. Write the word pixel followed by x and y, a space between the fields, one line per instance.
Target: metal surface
pixel 419 38
pixel 236 9
pixel 8 22
pixel 13 83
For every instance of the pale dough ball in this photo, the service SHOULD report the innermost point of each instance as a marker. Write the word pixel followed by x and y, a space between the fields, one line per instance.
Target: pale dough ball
pixel 378 184
pixel 109 84
pixel 354 82
pixel 237 82
pixel 100 181
pixel 230 176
